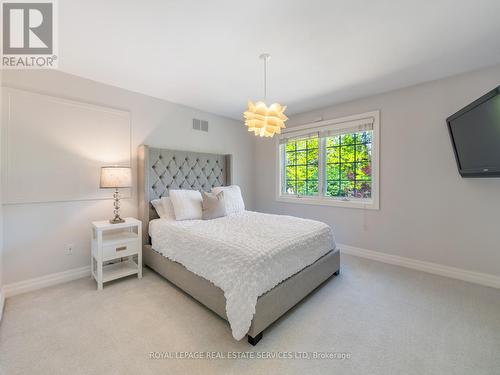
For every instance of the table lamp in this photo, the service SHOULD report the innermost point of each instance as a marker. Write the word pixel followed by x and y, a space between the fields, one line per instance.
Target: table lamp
pixel 114 178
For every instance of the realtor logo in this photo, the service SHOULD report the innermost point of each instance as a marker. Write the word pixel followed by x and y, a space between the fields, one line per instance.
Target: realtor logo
pixel 28 35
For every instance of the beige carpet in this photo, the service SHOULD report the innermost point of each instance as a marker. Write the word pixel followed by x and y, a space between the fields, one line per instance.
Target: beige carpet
pixel 389 319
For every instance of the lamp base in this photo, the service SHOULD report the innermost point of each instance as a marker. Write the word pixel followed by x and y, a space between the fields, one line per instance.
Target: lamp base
pixel 116 220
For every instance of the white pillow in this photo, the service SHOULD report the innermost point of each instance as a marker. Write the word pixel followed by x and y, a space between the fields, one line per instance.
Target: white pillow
pixel 164 208
pixel 168 208
pixel 158 206
pixel 232 198
pixel 187 204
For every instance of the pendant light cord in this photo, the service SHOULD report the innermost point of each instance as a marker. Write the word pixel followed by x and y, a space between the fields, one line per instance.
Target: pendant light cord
pixel 265 78
pixel 265 57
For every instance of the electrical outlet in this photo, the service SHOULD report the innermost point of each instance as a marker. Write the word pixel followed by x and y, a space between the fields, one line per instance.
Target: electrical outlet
pixel 69 249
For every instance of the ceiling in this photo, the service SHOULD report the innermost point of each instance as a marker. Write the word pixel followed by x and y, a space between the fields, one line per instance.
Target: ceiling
pixel 204 54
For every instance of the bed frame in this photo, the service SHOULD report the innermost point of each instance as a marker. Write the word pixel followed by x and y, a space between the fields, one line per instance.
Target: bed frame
pixel 161 170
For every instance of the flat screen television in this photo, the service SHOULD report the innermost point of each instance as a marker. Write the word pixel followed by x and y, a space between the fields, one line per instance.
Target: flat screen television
pixel 475 136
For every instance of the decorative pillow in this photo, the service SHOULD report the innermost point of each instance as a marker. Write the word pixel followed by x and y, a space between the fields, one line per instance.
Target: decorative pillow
pixel 168 208
pixel 164 208
pixel 213 205
pixel 232 198
pixel 158 206
pixel 187 204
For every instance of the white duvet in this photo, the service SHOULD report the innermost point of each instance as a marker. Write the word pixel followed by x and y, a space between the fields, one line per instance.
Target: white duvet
pixel 244 254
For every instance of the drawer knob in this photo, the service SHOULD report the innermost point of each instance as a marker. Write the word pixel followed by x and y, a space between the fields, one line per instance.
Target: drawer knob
pixel 121 248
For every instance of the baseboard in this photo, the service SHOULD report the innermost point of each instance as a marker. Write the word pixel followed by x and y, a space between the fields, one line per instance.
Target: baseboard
pixel 45 281
pixel 434 268
pixel 2 302
pixel 493 281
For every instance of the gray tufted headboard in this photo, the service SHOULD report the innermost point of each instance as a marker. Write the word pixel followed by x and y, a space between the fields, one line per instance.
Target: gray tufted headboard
pixel 160 170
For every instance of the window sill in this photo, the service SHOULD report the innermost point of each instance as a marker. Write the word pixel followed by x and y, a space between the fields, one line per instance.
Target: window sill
pixel 367 204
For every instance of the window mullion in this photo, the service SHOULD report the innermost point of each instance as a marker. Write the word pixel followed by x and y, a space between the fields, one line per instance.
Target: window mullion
pixel 322 166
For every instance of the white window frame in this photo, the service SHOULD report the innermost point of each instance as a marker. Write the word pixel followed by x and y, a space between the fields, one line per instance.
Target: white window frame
pixel 336 124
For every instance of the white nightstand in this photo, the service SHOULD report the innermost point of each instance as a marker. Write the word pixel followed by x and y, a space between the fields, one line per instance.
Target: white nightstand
pixel 115 242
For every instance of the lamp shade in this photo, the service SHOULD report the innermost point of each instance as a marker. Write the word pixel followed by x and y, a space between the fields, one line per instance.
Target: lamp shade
pixel 116 177
pixel 265 121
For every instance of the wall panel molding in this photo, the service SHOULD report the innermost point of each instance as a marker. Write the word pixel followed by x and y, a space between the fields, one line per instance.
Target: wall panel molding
pixel 53 151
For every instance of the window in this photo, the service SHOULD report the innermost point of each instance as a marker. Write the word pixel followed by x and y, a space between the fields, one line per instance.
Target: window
pixel 302 167
pixel 348 165
pixel 333 162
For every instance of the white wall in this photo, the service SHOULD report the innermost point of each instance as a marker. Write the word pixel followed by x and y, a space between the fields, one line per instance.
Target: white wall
pixel 428 212
pixel 36 234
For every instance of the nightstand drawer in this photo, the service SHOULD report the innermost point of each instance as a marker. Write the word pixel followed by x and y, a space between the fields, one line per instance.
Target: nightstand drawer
pixel 120 250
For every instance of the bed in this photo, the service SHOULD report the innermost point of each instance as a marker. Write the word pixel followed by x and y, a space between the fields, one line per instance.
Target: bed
pixel 275 284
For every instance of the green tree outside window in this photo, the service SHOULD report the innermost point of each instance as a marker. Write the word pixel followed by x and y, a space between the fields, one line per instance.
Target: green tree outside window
pixel 348 166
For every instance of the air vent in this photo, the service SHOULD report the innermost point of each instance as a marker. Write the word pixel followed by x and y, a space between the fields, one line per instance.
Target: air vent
pixel 204 126
pixel 196 124
pixel 201 125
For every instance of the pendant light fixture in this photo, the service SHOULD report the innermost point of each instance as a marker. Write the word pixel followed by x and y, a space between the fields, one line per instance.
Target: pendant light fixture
pixel 265 121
